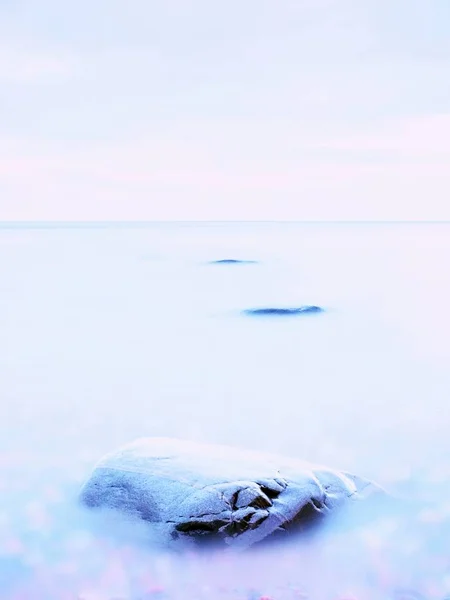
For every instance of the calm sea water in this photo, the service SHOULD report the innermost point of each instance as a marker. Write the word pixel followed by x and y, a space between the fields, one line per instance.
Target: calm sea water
pixel 110 333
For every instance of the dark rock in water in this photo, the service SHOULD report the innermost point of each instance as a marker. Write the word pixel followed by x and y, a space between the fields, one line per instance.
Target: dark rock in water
pixel 233 261
pixel 283 312
pixel 218 493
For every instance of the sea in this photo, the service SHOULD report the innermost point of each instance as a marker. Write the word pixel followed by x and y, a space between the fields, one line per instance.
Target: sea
pixel 114 331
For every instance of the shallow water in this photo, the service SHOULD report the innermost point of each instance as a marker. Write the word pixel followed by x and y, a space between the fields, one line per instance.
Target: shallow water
pixel 113 333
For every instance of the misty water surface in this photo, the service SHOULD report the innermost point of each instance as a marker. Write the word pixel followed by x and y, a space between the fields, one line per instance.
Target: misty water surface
pixel 109 334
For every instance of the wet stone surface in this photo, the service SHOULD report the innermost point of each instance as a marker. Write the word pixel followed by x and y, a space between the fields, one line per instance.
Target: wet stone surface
pixel 219 493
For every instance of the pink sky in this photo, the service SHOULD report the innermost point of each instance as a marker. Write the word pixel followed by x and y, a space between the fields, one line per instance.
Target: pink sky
pixel 303 111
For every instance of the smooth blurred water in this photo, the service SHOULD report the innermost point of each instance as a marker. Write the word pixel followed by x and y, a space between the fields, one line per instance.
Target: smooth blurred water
pixel 112 333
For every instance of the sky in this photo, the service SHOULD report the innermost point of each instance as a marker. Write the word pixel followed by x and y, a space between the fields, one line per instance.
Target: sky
pixel 236 110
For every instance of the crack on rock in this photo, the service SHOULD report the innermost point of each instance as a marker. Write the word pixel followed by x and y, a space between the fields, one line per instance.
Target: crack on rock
pixel 201 515
pixel 308 516
pixel 201 527
pixel 261 502
pixel 234 499
pixel 253 496
pixel 317 504
pixel 248 519
pixel 271 493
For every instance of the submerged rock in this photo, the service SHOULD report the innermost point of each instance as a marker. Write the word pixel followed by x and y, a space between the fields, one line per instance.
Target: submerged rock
pixel 222 493
pixel 283 312
pixel 232 261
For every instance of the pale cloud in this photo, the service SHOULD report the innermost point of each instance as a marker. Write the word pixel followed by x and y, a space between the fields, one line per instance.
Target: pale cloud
pixel 255 110
pixel 22 66
pixel 165 177
pixel 425 136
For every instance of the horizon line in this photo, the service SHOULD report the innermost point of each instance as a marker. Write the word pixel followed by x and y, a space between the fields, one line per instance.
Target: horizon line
pixel 144 222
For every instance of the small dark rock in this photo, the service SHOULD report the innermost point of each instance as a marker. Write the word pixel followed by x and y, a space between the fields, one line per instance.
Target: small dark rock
pixel 282 312
pixel 232 261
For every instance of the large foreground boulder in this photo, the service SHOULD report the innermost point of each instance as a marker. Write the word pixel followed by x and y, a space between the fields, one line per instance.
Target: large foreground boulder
pixel 237 496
